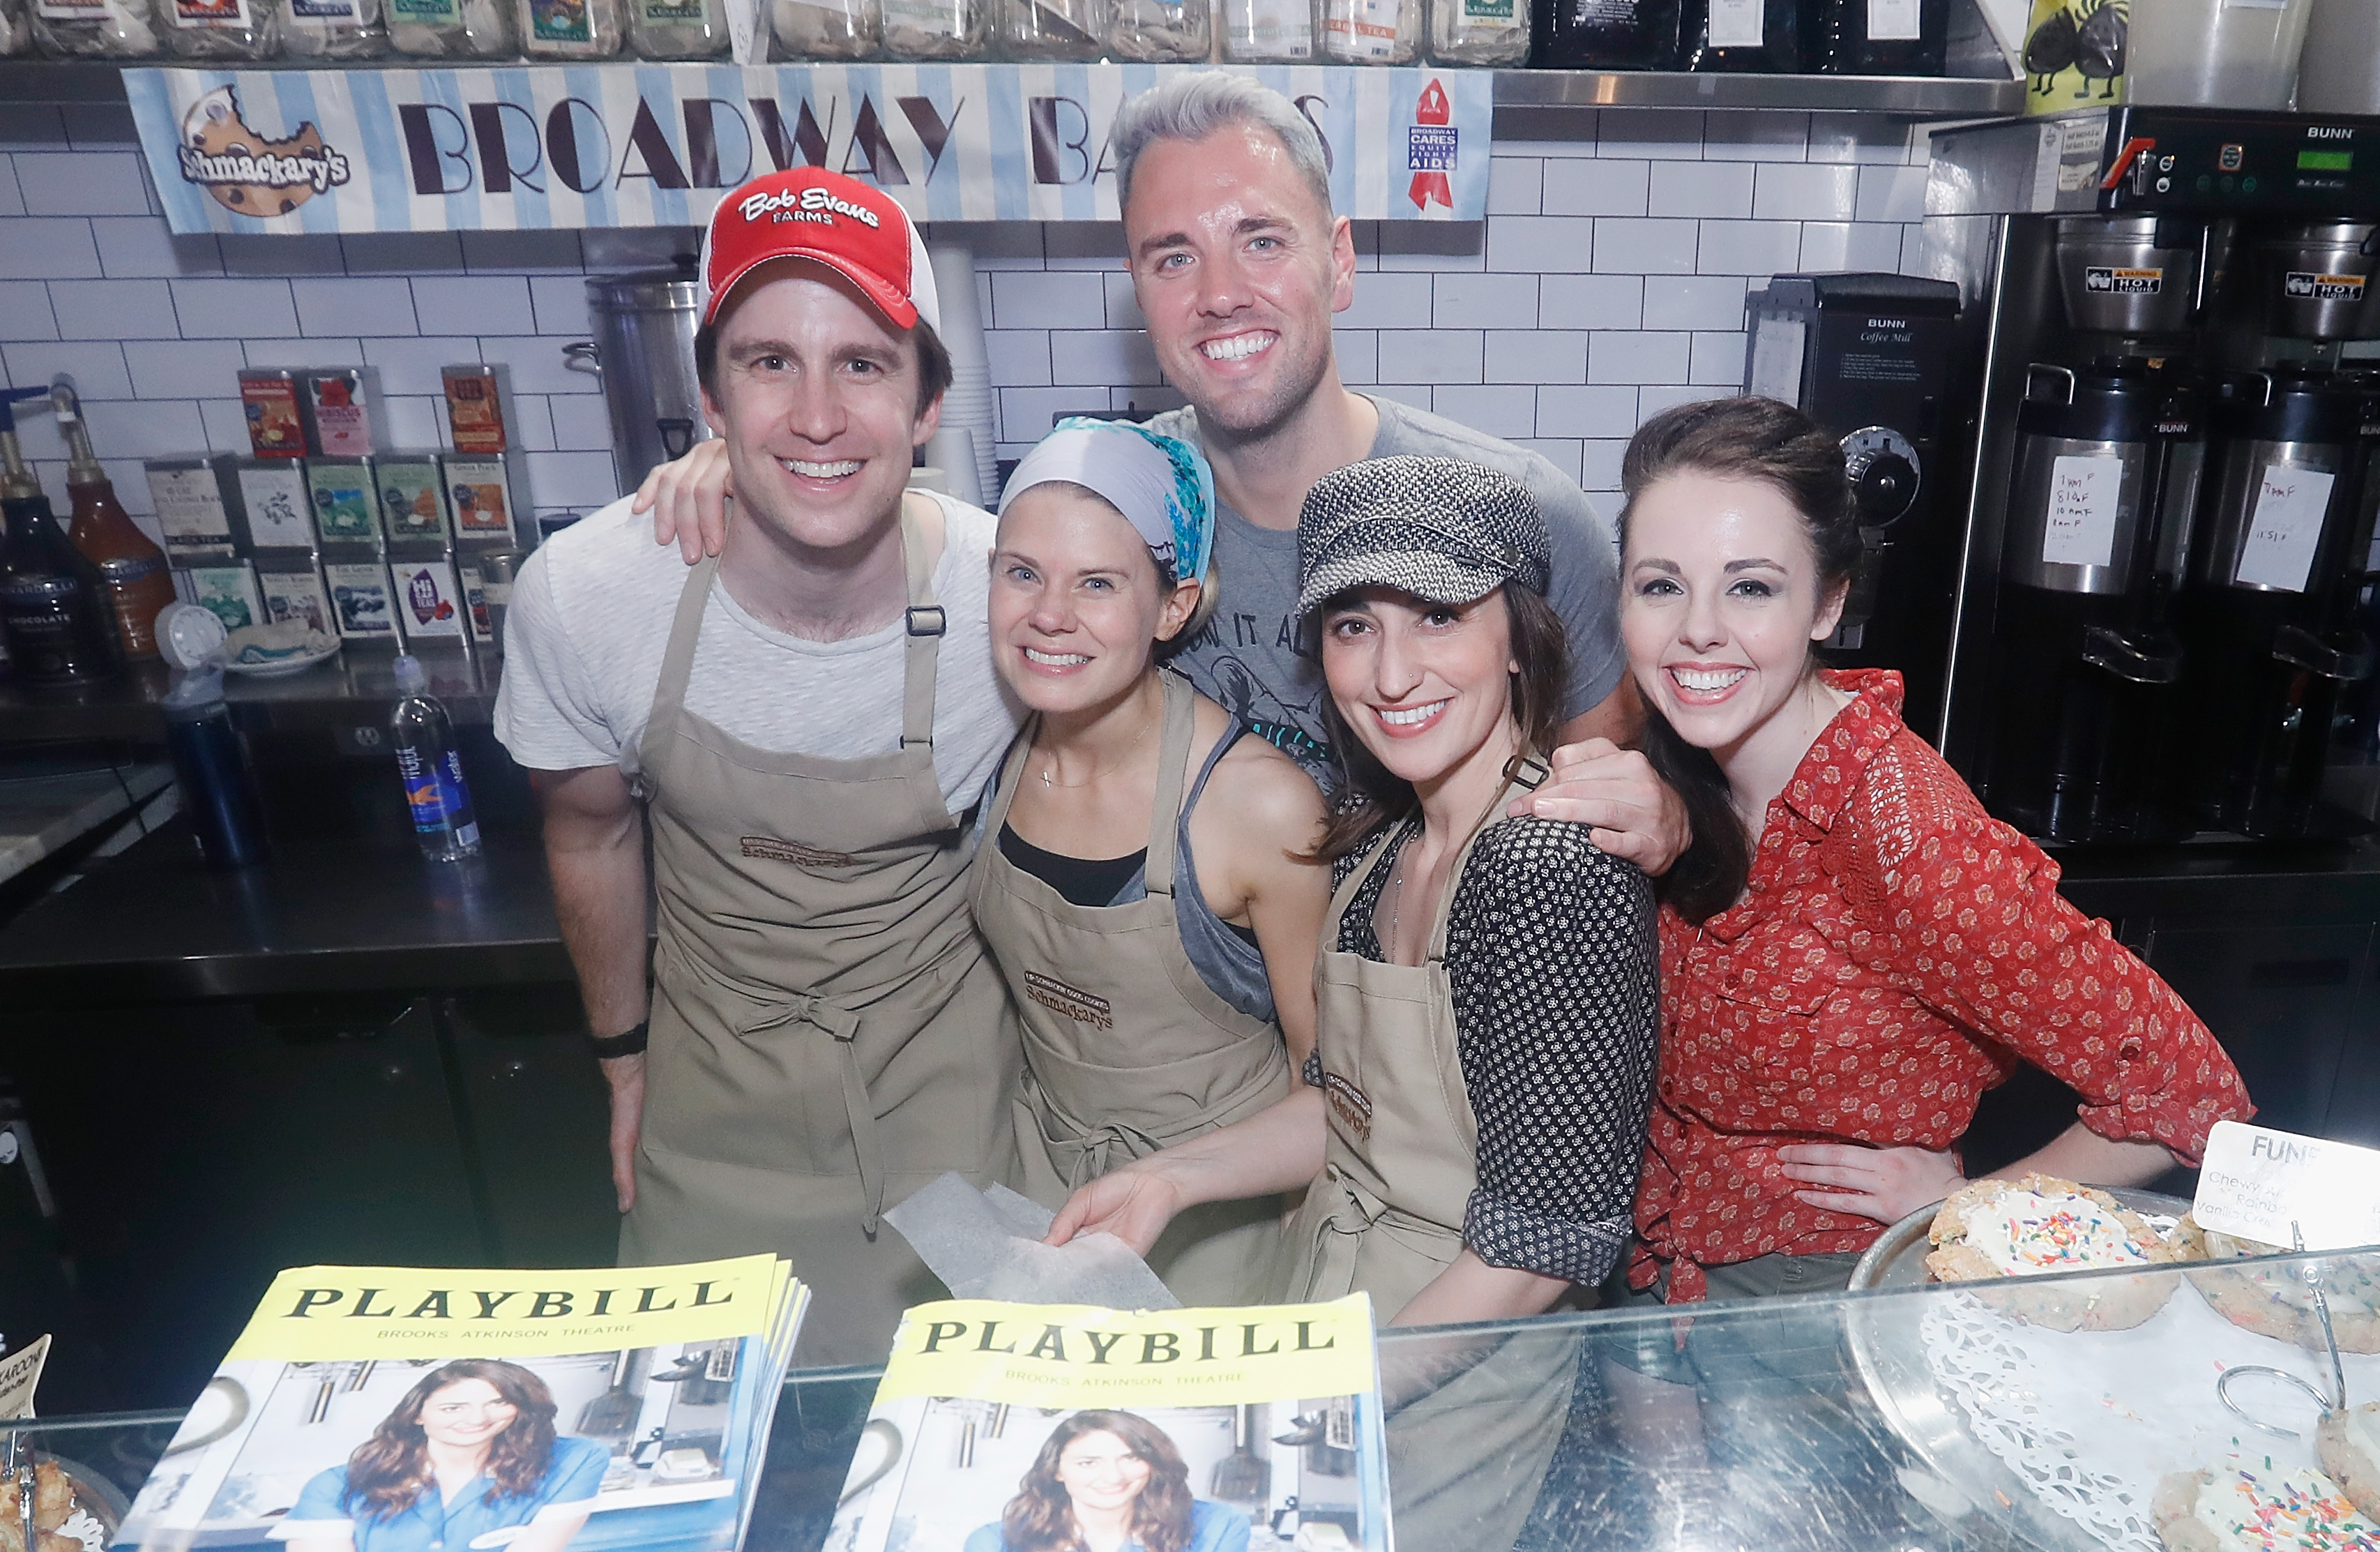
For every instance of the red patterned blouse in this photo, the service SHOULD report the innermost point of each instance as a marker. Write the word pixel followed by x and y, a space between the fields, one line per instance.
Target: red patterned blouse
pixel 1896 952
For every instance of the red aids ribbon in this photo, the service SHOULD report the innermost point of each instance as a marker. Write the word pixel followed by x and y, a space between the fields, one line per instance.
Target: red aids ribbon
pixel 1430 183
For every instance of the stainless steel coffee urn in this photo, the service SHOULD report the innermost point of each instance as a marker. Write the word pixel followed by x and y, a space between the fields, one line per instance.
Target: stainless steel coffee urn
pixel 644 323
pixel 2089 669
pixel 2266 610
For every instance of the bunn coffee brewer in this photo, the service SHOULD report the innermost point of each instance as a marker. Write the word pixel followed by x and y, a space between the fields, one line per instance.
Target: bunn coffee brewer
pixel 2161 281
pixel 1868 357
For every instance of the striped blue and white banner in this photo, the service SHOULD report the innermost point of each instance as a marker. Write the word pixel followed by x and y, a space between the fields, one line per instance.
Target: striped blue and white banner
pixel 657 145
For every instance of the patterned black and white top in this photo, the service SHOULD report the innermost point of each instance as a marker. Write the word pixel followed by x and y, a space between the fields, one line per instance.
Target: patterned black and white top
pixel 1555 963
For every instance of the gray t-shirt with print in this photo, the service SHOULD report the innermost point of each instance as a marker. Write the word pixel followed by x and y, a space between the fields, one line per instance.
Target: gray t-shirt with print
pixel 1247 658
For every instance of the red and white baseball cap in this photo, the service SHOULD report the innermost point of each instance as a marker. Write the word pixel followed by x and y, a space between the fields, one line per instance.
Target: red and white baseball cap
pixel 808 212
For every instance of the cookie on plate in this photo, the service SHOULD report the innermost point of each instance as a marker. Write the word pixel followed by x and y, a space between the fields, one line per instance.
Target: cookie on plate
pixel 2227 1509
pixel 2273 1301
pixel 1992 1229
pixel 2349 1444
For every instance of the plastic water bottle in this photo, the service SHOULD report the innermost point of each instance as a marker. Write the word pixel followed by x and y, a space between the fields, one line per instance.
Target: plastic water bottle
pixel 432 769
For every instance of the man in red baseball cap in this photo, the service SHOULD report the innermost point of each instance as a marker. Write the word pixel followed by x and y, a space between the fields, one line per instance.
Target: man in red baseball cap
pixel 796 725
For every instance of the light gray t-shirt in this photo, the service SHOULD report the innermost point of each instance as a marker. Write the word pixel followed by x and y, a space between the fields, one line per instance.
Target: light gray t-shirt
pixel 589 620
pixel 1247 658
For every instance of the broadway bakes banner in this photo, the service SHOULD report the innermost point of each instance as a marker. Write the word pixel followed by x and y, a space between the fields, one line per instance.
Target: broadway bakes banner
pixel 655 146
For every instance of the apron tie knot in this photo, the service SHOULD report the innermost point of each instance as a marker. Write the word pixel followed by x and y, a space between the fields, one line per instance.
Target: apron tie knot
pixel 842 1026
pixel 1097 1151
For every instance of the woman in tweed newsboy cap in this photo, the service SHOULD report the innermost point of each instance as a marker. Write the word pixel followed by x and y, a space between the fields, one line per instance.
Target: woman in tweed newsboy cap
pixel 1143 882
pixel 1475 1106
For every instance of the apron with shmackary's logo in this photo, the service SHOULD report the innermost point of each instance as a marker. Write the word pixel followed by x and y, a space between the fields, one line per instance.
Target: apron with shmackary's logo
pixel 1128 1050
pixel 828 1034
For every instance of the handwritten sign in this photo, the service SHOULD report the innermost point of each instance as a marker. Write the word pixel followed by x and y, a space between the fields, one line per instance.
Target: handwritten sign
pixel 2273 1186
pixel 2084 493
pixel 2283 529
pixel 19 1372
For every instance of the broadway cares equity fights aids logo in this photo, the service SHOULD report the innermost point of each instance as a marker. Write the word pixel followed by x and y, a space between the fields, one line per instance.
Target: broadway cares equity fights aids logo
pixel 246 172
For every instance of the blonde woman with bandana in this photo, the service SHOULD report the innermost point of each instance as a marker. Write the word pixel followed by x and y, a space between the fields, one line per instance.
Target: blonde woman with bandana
pixel 1144 879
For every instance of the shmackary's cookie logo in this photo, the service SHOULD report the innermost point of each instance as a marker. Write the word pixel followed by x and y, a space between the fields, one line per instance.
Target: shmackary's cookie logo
pixel 247 173
pixel 1069 1002
pixel 806 204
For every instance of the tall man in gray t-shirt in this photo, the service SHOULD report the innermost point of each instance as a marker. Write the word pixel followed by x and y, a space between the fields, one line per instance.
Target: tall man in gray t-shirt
pixel 1239 264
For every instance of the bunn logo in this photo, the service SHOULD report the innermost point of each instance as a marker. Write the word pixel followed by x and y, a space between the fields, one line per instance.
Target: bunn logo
pixel 2108 280
pixel 1888 323
pixel 2328 133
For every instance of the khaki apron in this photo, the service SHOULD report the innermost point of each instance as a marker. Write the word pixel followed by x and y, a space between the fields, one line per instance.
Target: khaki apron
pixel 1126 1049
pixel 1465 1461
pixel 828 1034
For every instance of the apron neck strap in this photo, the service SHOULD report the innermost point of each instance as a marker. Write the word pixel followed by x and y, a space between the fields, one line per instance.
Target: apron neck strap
pixel 924 623
pixel 1525 771
pixel 677 663
pixel 1172 778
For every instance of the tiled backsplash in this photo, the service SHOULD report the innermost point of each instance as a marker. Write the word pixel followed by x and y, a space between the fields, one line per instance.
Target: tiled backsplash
pixel 1606 283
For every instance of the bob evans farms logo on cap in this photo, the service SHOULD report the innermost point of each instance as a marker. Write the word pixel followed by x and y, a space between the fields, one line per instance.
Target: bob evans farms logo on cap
pixel 811 205
pixel 808 212
pixel 245 171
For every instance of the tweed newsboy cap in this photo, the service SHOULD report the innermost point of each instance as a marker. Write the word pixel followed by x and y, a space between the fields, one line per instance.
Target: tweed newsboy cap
pixel 1440 529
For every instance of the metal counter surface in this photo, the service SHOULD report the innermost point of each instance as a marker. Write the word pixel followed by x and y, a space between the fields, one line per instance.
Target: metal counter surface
pixel 356 688
pixel 156 923
pixel 1764 1425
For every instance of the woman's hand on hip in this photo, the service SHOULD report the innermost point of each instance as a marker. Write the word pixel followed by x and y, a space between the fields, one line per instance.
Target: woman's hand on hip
pixel 1133 1203
pixel 687 497
pixel 1886 1184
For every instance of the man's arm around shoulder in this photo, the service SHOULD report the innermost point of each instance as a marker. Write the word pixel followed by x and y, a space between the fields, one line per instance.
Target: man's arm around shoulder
pixel 595 856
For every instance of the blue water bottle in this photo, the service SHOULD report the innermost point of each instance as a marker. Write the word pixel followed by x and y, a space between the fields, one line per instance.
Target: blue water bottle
pixel 432 769
pixel 210 768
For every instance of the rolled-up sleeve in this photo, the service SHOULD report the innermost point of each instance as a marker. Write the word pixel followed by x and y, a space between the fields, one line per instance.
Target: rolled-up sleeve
pixel 1553 957
pixel 1979 932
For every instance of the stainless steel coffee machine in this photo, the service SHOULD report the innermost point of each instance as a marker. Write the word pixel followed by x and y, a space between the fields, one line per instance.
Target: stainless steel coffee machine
pixel 2166 525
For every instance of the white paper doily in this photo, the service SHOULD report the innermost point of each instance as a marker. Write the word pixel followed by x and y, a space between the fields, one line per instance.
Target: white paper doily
pixel 2089 1421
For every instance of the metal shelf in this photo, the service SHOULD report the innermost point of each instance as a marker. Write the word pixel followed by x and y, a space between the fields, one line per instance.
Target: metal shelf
pixel 72 81
pixel 1896 96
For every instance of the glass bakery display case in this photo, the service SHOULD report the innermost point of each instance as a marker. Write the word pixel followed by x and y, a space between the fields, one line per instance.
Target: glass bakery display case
pixel 2067 1411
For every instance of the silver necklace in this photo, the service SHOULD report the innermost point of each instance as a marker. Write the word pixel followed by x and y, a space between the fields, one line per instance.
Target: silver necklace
pixel 1050 760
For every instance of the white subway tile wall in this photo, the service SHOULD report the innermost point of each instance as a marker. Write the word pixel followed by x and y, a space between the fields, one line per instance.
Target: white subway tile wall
pixel 1606 283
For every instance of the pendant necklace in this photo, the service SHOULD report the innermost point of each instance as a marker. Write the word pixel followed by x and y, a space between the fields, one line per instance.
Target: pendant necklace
pixel 1049 761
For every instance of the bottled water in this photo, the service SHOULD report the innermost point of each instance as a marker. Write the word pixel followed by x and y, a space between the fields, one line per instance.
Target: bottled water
pixel 432 769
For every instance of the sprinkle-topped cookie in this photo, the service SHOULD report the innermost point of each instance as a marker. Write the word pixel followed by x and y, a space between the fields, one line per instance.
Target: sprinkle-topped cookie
pixel 2022 1231
pixel 2299 1510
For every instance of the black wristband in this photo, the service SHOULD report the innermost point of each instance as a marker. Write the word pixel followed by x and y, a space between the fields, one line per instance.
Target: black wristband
pixel 628 1043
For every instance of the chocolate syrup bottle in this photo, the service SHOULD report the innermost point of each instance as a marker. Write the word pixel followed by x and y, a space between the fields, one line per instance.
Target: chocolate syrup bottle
pixel 139 586
pixel 52 604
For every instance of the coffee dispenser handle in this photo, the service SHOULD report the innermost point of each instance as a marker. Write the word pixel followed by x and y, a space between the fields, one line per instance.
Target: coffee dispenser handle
pixel 2266 379
pixel 2347 660
pixel 2066 373
pixel 583 355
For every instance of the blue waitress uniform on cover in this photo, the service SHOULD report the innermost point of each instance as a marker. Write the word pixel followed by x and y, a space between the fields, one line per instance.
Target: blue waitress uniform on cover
pixel 431 1524
pixel 1213 1528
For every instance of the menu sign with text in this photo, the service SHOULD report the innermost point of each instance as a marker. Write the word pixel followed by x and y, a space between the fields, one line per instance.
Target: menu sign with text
pixel 2281 1189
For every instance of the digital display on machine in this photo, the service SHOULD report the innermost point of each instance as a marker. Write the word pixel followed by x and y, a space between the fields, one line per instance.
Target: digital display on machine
pixel 2325 160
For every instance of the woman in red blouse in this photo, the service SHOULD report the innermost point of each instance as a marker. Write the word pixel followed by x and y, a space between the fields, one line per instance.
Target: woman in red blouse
pixel 1852 951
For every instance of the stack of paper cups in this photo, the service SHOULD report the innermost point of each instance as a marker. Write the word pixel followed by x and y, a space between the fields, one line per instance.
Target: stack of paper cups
pixel 968 406
pixel 952 450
